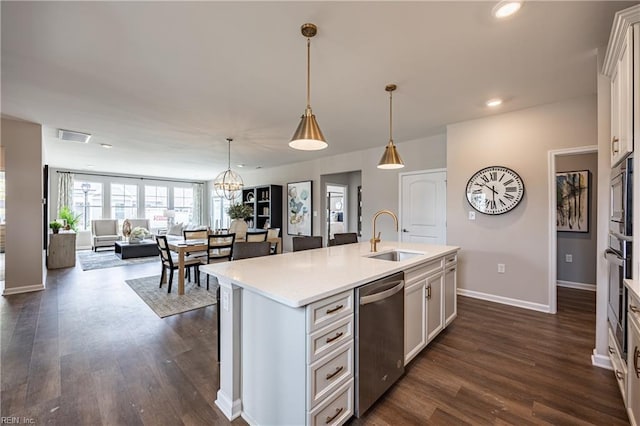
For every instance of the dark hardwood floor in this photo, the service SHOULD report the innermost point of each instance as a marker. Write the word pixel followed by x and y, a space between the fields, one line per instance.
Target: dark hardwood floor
pixel 88 351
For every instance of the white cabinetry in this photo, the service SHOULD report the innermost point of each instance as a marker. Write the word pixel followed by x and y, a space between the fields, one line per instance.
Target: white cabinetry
pixel 429 303
pixel 633 360
pixel 621 66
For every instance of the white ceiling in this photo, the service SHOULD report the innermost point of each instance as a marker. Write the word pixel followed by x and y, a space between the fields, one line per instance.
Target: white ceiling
pixel 166 82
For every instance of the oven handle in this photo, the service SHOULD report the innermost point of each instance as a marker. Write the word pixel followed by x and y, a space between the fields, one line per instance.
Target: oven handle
pixel 621 237
pixel 613 257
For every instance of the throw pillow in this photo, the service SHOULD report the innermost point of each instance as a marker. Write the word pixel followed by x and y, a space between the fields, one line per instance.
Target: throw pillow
pixel 175 229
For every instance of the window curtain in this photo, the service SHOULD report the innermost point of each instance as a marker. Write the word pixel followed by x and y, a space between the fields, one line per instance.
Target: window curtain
pixel 198 195
pixel 65 191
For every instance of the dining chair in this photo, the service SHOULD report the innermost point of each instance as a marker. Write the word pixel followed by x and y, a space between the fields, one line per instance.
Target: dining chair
pixel 306 243
pixel 256 236
pixel 272 234
pixel 219 249
pixel 248 249
pixel 170 262
pixel 345 238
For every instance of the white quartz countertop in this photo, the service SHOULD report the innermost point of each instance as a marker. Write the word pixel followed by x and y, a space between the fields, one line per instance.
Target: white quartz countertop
pixel 297 279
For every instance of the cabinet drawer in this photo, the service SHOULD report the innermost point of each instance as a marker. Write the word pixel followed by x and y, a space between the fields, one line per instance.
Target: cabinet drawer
pixel 328 373
pixel 325 311
pixel 336 409
pixel 619 369
pixel 325 340
pixel 450 260
pixel 421 271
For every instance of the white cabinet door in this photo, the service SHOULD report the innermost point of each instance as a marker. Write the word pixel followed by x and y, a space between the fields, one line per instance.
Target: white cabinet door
pixel 450 294
pixel 622 102
pixel 414 320
pixel 434 299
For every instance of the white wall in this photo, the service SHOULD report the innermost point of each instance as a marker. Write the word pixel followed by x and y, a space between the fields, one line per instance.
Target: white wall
pixel 519 140
pixel 379 187
pixel 22 142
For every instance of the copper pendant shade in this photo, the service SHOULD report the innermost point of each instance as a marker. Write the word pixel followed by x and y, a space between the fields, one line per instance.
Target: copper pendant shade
pixel 390 159
pixel 228 184
pixel 308 136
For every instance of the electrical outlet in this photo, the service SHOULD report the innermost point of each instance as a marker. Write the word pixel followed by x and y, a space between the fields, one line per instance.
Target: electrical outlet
pixel 472 215
pixel 568 258
pixel 501 268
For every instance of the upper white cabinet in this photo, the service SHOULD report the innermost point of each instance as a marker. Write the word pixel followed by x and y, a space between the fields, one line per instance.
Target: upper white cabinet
pixel 621 65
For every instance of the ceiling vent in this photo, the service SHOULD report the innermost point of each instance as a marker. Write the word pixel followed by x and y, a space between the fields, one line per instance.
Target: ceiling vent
pixel 70 135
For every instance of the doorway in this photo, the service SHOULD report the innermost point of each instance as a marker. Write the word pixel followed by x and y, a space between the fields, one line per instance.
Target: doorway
pixel 570 249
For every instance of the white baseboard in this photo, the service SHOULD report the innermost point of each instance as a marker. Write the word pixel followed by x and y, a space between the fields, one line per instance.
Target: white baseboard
pixel 577 286
pixel 23 289
pixel 505 300
pixel 602 361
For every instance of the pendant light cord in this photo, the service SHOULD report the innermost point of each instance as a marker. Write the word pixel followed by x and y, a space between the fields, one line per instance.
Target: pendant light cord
pixel 390 116
pixel 308 73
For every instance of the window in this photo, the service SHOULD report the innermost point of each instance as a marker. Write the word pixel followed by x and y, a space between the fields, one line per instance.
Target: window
pixel 183 204
pixel 219 217
pixel 87 202
pixel 156 201
pixel 124 201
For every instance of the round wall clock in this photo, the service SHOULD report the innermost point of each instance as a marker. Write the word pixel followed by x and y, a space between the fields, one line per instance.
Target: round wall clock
pixel 495 190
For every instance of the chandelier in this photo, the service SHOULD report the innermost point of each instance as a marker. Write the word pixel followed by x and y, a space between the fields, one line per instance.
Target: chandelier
pixel 228 184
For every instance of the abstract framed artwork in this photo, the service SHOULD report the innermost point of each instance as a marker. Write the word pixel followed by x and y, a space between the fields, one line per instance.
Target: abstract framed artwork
pixel 299 208
pixel 572 195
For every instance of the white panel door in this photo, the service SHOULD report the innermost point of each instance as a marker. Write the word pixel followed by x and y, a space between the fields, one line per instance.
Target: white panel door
pixel 424 207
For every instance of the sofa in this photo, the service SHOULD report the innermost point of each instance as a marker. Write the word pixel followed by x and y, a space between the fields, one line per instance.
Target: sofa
pixel 104 233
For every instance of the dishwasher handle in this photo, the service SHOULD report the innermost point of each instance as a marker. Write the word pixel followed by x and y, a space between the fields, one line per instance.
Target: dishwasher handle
pixel 364 300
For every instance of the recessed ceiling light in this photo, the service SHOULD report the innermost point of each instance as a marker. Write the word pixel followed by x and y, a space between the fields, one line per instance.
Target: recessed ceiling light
pixel 492 103
pixel 506 8
pixel 106 145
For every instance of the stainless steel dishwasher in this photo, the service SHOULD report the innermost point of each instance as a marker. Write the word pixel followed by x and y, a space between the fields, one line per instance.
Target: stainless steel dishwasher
pixel 379 338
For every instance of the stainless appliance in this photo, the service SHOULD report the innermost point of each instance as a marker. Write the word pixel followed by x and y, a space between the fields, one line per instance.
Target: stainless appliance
pixel 379 339
pixel 620 221
pixel 618 257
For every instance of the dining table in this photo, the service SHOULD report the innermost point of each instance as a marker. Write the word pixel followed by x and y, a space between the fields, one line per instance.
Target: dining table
pixel 182 247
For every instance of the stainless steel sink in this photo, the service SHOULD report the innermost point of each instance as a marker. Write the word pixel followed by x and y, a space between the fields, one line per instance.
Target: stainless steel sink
pixel 395 255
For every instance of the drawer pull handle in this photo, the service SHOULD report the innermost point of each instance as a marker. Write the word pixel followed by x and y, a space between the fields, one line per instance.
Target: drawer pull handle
pixel 610 350
pixel 337 336
pixel 619 375
pixel 332 375
pixel 636 358
pixel 634 309
pixel 331 418
pixel 337 308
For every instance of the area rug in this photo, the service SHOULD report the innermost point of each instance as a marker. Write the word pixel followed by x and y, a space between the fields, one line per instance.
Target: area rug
pixel 166 304
pixel 107 259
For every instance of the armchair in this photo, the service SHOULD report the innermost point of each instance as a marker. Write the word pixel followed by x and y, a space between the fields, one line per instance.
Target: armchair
pixel 104 233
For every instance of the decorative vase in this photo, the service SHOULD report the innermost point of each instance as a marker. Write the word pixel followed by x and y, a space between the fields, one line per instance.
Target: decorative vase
pixel 239 227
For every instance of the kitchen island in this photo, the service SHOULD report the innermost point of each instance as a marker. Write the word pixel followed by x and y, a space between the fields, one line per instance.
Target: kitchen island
pixel 286 326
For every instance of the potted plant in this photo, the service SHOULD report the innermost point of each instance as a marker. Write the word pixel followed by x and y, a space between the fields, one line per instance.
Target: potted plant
pixel 71 219
pixel 55 226
pixel 239 213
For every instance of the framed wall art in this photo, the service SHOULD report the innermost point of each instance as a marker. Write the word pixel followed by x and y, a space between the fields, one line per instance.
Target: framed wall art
pixel 572 194
pixel 299 208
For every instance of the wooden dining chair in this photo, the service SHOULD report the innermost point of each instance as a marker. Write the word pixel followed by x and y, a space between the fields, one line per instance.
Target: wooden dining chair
pixel 170 262
pixel 219 249
pixel 256 236
pixel 345 238
pixel 248 249
pixel 306 243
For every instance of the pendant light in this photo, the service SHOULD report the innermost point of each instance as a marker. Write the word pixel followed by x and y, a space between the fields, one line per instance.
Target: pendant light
pixel 390 159
pixel 308 136
pixel 228 184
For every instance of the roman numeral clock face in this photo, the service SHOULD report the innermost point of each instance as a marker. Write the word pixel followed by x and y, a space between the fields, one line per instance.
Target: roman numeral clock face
pixel 495 190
